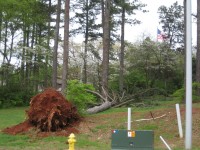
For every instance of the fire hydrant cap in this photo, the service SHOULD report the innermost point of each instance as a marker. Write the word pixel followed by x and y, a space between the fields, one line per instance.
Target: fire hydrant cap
pixel 71 135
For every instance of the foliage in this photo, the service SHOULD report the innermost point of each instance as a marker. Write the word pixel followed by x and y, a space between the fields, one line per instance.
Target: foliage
pixel 14 92
pixel 179 95
pixel 85 18
pixel 26 29
pixel 128 9
pixel 23 32
pixel 172 21
pixel 135 81
pixel 76 93
pixel 151 68
pixel 14 96
pixel 154 65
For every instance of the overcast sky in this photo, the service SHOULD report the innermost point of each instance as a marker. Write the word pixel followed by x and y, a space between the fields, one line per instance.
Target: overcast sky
pixel 150 21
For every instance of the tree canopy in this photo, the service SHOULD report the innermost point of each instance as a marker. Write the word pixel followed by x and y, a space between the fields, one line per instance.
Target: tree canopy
pixel 34 49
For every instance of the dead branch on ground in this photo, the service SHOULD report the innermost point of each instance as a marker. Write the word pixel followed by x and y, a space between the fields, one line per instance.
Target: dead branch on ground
pixel 151 118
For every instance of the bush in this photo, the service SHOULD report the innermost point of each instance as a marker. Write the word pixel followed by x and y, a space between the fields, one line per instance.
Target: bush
pixel 180 94
pixel 134 82
pixel 14 96
pixel 77 94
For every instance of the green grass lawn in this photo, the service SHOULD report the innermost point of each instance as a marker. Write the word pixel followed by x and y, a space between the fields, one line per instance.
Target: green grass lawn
pixel 13 116
pixel 101 126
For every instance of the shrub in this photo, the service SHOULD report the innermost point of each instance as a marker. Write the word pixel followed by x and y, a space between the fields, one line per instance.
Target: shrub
pixel 180 93
pixel 77 94
pixel 14 95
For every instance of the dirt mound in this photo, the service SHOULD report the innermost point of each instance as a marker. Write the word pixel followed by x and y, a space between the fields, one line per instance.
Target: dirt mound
pixel 20 128
pixel 49 111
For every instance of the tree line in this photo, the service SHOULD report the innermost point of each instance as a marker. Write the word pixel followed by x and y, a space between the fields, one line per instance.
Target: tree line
pixel 38 49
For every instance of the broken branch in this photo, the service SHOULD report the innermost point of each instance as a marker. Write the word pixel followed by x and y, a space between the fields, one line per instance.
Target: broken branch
pixel 151 118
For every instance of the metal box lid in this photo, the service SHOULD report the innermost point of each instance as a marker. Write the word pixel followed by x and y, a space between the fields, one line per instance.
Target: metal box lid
pixel 136 140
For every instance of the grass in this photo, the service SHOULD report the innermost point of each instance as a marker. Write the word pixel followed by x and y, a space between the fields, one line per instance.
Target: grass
pixel 98 137
pixel 13 116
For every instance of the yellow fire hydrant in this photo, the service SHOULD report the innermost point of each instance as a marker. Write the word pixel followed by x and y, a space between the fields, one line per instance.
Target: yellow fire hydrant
pixel 71 141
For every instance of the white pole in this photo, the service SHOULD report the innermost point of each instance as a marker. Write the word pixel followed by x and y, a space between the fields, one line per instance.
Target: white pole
pixel 188 124
pixel 165 143
pixel 179 121
pixel 129 118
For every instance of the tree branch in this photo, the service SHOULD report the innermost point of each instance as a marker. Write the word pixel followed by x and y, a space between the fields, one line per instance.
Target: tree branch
pixel 96 93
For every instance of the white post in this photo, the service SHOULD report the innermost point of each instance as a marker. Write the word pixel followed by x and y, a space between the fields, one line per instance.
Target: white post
pixel 129 118
pixel 188 122
pixel 179 121
pixel 165 143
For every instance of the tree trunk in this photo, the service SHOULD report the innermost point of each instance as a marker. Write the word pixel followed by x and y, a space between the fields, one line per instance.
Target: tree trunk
pixel 35 70
pixel 35 59
pixel 102 14
pixel 121 71
pixel 106 46
pixel 198 43
pixel 198 46
pixel 99 75
pixel 23 53
pixel 38 58
pixel 5 42
pixel 102 107
pixel 66 47
pixel 54 76
pixel 48 49
pixel 0 26
pixel 0 42
pixel 27 71
pixel 5 70
pixel 33 36
pixel 11 46
pixel 86 45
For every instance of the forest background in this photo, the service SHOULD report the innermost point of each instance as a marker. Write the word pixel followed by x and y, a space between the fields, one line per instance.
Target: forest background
pixel 35 56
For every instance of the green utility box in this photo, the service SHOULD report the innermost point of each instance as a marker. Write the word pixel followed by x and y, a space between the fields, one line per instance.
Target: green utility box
pixel 132 140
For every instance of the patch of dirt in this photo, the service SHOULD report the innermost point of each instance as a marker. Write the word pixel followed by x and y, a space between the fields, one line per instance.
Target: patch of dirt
pixel 49 112
pixel 20 128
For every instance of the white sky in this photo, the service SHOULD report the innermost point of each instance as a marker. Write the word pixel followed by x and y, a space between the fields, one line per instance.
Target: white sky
pixel 150 21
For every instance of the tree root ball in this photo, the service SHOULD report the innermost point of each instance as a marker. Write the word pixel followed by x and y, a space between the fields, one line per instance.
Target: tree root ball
pixel 50 111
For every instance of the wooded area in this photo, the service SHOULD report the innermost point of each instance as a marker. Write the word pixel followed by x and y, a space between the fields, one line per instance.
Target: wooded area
pixel 38 49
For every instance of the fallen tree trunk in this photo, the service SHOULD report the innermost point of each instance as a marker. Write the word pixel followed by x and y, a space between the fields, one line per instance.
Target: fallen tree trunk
pixel 106 104
pixel 115 100
pixel 102 107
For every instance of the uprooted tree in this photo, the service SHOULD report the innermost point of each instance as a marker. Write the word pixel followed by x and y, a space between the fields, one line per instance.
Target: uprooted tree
pixel 117 100
pixel 106 102
pixel 49 111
